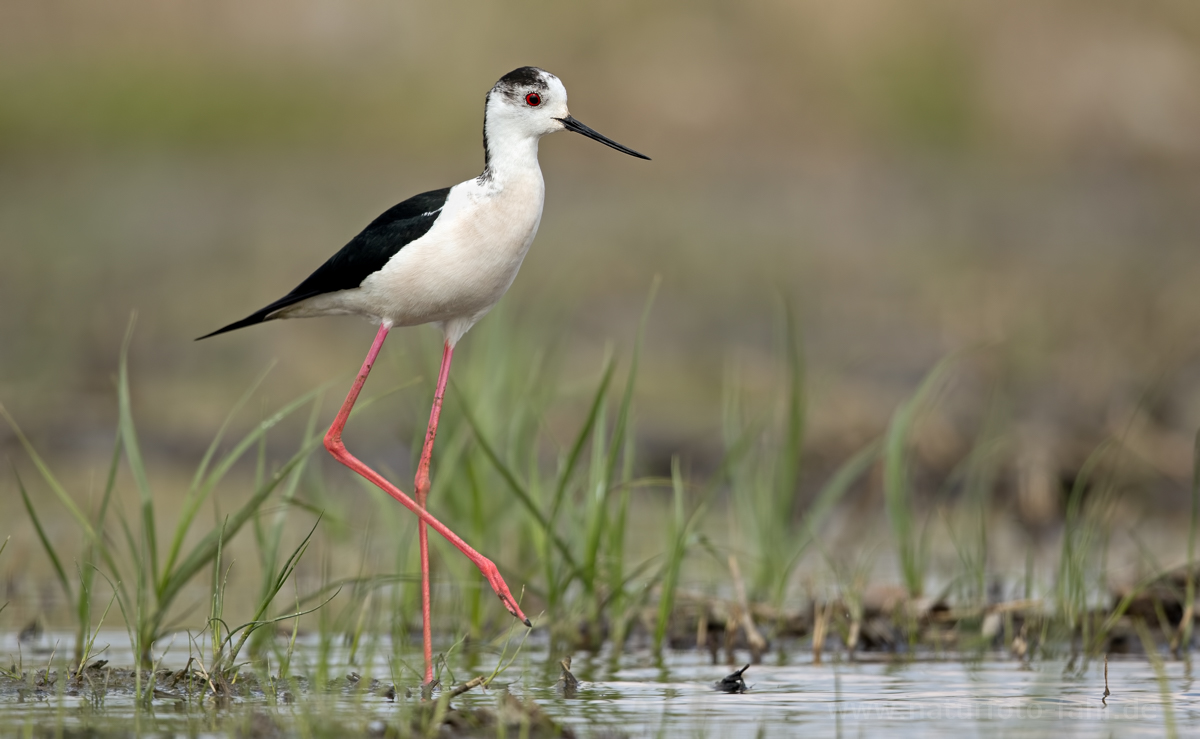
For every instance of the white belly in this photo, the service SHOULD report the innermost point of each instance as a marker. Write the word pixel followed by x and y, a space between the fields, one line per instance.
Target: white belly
pixel 459 270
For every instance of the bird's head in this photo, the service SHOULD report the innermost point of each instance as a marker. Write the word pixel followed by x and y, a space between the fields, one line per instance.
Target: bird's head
pixel 529 103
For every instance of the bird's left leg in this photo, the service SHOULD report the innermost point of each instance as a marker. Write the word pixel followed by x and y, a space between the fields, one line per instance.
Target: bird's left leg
pixel 336 447
pixel 422 491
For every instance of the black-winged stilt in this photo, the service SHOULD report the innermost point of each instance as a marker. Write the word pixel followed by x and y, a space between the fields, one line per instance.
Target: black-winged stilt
pixel 445 257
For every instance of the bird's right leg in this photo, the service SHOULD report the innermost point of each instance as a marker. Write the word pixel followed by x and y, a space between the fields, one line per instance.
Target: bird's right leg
pixel 333 442
pixel 421 488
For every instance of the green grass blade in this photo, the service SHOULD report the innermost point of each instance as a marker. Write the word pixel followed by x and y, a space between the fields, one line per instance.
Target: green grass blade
pixel 598 514
pixel 270 539
pixel 284 573
pixel 585 430
pixel 237 407
pixel 356 583
pixel 517 487
pixel 192 505
pixel 290 565
pixel 251 626
pixel 139 626
pixel 110 486
pixel 789 473
pixel 41 532
pixel 205 550
pixel 896 483
pixel 48 477
pixel 735 450
pixel 674 563
pixel 96 546
pixel 89 646
pixel 119 594
pixel 133 454
pixel 92 533
pixel 1077 537
pixel 833 491
pixel 619 427
pixel 594 518
pixel 616 543
pixel 216 608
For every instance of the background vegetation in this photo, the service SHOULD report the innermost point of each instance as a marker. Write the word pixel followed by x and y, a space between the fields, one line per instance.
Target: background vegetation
pixel 842 195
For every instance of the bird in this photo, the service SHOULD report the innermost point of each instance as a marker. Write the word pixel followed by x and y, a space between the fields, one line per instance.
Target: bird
pixel 442 257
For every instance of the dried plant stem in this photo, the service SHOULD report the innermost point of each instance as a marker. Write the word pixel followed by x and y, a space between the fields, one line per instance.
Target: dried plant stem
pixel 820 627
pixel 754 638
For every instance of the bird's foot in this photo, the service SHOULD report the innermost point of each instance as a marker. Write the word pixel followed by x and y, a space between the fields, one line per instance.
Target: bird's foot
pixel 492 574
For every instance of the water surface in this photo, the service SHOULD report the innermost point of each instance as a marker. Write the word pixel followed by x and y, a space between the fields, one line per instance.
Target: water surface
pixel 874 695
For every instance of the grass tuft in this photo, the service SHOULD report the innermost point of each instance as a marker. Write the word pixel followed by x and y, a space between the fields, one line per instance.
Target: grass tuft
pixel 898 491
pixel 145 585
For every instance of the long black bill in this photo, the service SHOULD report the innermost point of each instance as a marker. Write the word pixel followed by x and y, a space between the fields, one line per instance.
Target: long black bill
pixel 573 125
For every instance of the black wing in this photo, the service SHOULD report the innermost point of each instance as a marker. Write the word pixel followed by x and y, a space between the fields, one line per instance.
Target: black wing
pixel 363 256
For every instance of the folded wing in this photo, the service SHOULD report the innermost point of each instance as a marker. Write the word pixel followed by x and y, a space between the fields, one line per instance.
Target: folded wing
pixel 365 255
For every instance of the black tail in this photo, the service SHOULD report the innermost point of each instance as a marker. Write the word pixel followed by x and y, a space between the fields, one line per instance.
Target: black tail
pixel 259 316
pixel 250 320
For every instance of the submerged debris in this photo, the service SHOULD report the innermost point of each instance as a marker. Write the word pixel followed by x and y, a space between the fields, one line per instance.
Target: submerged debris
pixel 426 690
pixel 471 684
pixel 732 683
pixel 512 716
pixel 567 684
pixel 516 714
pixel 1104 698
pixel 1161 599
pixel 261 725
pixel 745 615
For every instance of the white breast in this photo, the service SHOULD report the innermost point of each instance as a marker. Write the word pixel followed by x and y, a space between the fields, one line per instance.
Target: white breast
pixel 460 269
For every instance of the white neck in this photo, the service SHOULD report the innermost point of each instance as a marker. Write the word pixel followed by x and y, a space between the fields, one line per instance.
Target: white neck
pixel 510 140
pixel 510 154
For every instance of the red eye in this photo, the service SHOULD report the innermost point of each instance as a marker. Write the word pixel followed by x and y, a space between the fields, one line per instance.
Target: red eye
pixel 533 99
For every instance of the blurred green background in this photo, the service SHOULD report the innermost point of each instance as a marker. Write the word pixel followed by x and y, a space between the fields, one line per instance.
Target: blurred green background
pixel 1018 179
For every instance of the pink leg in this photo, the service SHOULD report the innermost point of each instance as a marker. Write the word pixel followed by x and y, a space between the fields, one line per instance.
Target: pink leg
pixel 333 442
pixel 422 490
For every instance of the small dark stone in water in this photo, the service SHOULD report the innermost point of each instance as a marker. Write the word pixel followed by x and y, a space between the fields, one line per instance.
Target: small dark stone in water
pixel 732 683
pixel 567 684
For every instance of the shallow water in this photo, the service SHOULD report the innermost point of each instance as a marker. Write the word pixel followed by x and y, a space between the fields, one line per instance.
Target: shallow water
pixel 911 698
pixel 642 696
